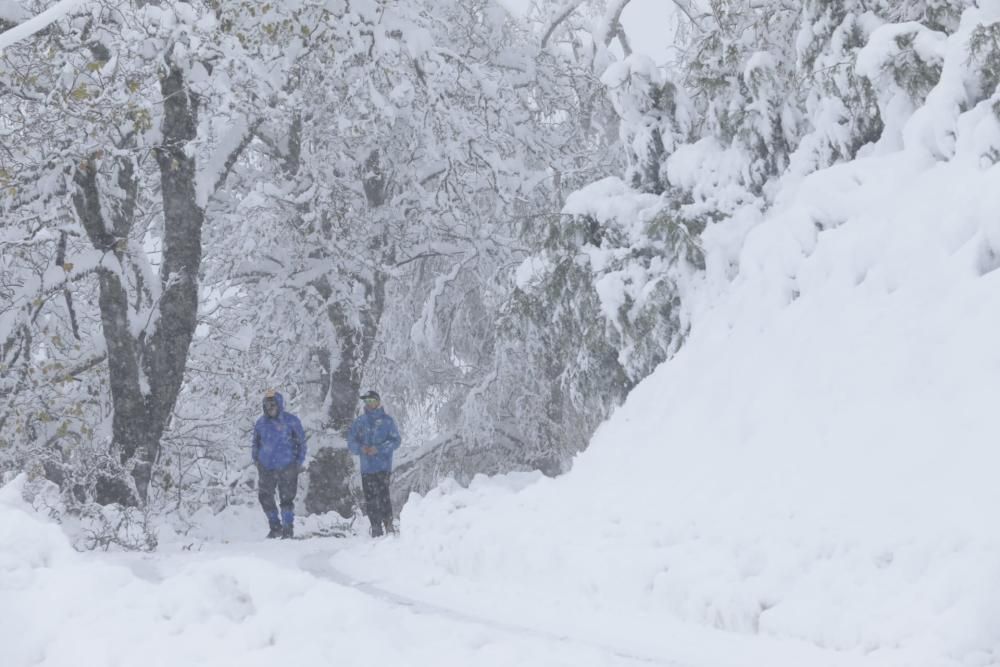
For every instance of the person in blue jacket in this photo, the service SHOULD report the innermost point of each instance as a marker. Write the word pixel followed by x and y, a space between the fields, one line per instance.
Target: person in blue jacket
pixel 279 450
pixel 374 437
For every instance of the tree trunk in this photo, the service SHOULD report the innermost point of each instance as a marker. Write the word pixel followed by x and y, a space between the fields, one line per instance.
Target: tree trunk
pixel 166 353
pixel 146 373
pixel 343 371
pixel 345 378
pixel 129 416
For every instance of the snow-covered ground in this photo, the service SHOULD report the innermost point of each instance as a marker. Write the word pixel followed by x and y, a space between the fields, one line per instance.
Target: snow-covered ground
pixel 242 603
pixel 249 601
pixel 811 481
pixel 818 464
pixel 240 600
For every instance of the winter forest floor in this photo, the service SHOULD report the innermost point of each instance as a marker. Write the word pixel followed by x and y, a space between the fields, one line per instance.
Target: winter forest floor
pixel 313 601
pixel 810 481
pixel 324 600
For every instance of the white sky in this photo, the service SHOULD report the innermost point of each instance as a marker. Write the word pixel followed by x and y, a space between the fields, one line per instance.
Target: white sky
pixel 648 23
pixel 650 26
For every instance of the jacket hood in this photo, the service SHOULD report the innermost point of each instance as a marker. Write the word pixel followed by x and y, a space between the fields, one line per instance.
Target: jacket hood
pixel 277 397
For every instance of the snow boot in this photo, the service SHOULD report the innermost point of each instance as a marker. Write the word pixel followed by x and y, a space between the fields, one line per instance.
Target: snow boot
pixel 287 525
pixel 389 528
pixel 274 524
pixel 376 529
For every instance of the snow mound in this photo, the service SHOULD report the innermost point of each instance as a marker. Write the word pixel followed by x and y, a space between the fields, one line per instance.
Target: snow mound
pixel 819 462
pixel 61 608
pixel 19 557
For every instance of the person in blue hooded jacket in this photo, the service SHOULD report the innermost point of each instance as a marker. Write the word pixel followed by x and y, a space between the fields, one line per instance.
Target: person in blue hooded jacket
pixel 279 450
pixel 373 436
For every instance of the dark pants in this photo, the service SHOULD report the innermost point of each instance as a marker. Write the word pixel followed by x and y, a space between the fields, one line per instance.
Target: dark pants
pixel 377 503
pixel 287 481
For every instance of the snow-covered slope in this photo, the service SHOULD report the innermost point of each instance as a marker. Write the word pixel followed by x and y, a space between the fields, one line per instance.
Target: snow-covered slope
pixel 241 605
pixel 817 468
pixel 819 462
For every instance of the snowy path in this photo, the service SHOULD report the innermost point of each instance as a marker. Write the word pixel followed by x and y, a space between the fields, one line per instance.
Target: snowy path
pixel 486 623
pixel 318 564
pixel 324 601
pixel 353 601
pixel 287 600
pixel 240 604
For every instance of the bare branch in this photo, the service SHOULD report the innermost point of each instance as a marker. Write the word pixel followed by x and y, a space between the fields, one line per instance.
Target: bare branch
pixel 427 255
pixel 686 9
pixel 623 40
pixel 563 14
pixel 37 23
pixel 230 162
pixel 68 295
pixel 612 24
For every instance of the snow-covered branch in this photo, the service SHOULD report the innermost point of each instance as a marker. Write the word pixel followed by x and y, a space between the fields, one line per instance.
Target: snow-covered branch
pixel 561 15
pixel 37 23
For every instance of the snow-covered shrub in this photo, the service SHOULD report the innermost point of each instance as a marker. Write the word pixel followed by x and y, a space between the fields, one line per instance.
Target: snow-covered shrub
pixel 903 62
pixel 106 526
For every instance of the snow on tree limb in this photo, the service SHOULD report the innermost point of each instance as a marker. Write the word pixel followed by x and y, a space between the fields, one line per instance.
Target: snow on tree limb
pixel 40 22
pixel 611 23
pixel 688 10
pixel 213 175
pixel 560 16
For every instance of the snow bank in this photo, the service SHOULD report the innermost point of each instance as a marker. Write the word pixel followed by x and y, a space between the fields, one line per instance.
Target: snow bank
pixel 62 608
pixel 820 460
pixel 59 607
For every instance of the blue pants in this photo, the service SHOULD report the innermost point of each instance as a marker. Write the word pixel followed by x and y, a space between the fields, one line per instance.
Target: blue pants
pixel 287 482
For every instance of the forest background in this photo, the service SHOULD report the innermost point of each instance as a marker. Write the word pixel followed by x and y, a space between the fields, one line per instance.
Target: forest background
pixel 490 212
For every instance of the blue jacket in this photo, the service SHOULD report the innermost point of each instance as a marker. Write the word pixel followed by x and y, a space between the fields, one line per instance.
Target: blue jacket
pixel 279 441
pixel 375 429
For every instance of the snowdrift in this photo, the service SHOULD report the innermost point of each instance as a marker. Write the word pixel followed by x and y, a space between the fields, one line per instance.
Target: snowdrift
pixel 61 608
pixel 820 460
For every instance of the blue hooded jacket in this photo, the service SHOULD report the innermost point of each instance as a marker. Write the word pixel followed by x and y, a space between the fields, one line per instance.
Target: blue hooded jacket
pixel 278 441
pixel 375 429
